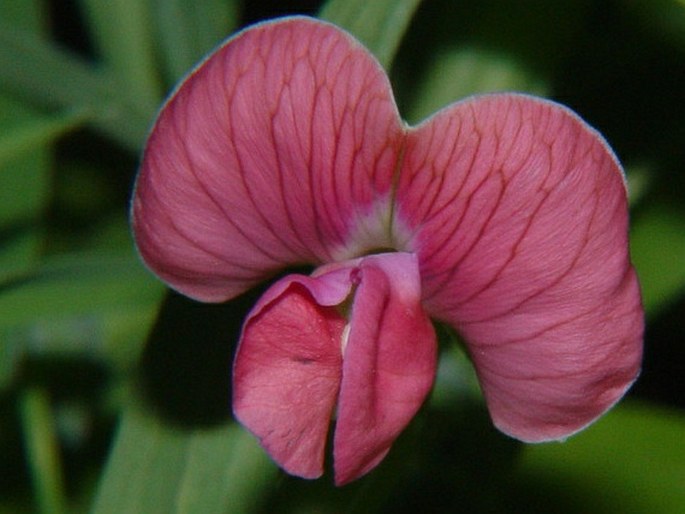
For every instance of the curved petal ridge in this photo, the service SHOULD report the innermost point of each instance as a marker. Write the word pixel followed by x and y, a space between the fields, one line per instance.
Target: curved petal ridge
pixel 258 158
pixel 389 363
pixel 287 369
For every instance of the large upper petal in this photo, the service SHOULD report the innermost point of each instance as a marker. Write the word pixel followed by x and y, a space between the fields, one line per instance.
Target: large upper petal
pixel 278 149
pixel 389 363
pixel 519 218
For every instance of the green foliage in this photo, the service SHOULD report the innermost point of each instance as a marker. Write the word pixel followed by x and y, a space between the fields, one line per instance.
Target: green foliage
pixel 188 30
pixel 157 468
pixel 76 304
pixel 658 248
pixel 627 462
pixel 380 25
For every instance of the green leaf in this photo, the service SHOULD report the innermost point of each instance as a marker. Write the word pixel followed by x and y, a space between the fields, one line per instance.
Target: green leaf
pixel 41 443
pixel 24 190
pixel 76 284
pixel 664 17
pixel 658 252
pixel 189 30
pixel 380 25
pixel 455 73
pixel 23 186
pixel 97 305
pixel 43 74
pixel 28 14
pixel 25 137
pixel 122 32
pixel 456 381
pixel 19 252
pixel 630 462
pixel 155 468
pixel 24 174
pixel 639 177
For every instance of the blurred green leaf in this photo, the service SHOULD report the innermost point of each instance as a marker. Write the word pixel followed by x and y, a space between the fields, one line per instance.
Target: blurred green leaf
pixel 658 252
pixel 666 17
pixel 76 284
pixel 189 30
pixel 43 453
pixel 23 190
pixel 23 182
pixel 380 25
pixel 639 178
pixel 123 34
pixel 38 71
pixel 630 462
pixel 19 252
pixel 28 14
pixel 26 136
pixel 154 468
pixel 456 73
pixel 98 305
pixel 456 381
pixel 24 173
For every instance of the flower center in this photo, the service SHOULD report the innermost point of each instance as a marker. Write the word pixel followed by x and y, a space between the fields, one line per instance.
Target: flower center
pixel 374 232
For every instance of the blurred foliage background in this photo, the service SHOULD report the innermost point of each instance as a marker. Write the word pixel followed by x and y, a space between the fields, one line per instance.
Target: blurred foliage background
pixel 114 394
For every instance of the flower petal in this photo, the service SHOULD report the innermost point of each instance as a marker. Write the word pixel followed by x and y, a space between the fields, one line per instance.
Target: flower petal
pixel 257 159
pixel 389 363
pixel 520 218
pixel 287 369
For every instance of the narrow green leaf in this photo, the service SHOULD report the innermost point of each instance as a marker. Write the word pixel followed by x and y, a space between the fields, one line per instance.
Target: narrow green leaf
pixel 640 178
pixel 380 25
pixel 28 14
pixel 189 30
pixel 43 74
pixel 142 475
pixel 24 186
pixel 455 73
pixel 75 285
pixel 19 251
pixel 663 17
pixel 155 468
pixel 100 306
pixel 10 358
pixel 43 452
pixel 226 471
pixel 92 305
pixel 122 32
pixel 658 251
pixel 38 131
pixel 456 381
pixel 630 462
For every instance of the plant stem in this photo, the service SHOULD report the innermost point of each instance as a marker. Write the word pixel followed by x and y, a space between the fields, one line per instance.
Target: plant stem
pixel 42 452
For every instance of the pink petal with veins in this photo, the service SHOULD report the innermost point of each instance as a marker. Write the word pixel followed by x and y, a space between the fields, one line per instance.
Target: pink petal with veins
pixel 288 366
pixel 295 354
pixel 521 225
pixel 285 147
pixel 268 154
pixel 388 366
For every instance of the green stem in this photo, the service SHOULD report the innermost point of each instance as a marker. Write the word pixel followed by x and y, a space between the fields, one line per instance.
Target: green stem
pixel 42 451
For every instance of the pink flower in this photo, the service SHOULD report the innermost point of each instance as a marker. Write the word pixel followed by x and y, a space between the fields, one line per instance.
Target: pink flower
pixel 502 215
